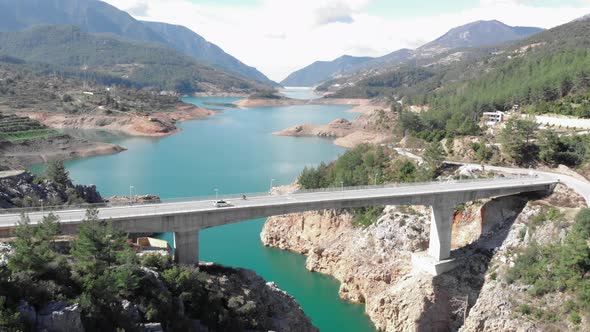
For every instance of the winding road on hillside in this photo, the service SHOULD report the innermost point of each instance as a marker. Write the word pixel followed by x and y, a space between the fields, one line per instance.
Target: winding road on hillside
pixel 577 183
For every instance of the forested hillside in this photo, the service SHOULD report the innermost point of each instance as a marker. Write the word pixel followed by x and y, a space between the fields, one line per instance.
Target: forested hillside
pixel 537 73
pixel 93 16
pixel 143 65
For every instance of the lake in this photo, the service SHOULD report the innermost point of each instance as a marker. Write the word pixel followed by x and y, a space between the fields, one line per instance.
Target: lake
pixel 235 152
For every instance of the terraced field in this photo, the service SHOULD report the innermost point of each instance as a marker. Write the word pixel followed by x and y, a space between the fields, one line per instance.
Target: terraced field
pixel 14 128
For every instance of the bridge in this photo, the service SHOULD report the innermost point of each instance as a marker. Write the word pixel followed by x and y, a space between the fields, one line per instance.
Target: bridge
pixel 185 218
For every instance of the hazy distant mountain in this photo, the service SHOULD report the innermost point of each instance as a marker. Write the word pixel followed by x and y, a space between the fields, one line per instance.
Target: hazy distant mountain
pixel 476 34
pixel 320 71
pixel 388 60
pixel 99 17
pixel 192 44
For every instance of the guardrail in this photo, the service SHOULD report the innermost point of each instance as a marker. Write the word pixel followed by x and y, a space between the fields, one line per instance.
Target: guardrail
pixel 59 208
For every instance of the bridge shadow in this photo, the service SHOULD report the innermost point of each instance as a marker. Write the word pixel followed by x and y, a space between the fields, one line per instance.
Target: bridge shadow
pixel 456 292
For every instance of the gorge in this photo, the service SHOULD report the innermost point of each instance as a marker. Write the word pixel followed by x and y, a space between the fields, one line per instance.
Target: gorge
pixel 209 154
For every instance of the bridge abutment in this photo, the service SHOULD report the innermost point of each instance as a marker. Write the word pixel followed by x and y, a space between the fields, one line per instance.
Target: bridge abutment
pixel 186 247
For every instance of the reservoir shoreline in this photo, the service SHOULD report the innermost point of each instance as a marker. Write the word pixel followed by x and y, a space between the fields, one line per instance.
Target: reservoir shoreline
pixel 199 167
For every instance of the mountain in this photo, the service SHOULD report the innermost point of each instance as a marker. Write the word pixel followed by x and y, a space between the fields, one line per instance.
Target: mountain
pixel 192 44
pixel 320 71
pixel 476 34
pixel 391 59
pixel 90 15
pixel 583 18
pixel 539 69
pixel 472 35
pixel 123 61
pixel 99 17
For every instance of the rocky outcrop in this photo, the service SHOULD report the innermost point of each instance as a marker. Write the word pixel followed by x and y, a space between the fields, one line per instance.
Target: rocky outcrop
pixel 371 127
pixel 19 188
pixel 374 267
pixel 138 199
pixel 249 300
pixel 264 303
pixel 336 128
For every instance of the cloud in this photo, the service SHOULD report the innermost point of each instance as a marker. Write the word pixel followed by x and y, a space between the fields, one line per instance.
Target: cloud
pixel 338 12
pixel 140 9
pixel 280 36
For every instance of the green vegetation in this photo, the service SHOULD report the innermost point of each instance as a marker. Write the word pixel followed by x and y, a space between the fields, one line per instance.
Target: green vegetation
pixel 552 76
pixel 387 83
pixel 101 271
pixel 526 145
pixel 366 216
pixel 54 188
pixel 56 172
pixel 572 105
pixel 369 165
pixel 559 267
pixel 112 60
pixel 14 129
pixel 363 165
pixel 517 140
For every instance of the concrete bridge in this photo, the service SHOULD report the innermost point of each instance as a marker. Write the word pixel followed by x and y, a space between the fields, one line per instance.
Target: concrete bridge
pixel 186 218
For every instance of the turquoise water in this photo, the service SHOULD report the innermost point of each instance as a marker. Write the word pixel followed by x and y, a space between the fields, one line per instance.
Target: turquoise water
pixel 300 93
pixel 234 152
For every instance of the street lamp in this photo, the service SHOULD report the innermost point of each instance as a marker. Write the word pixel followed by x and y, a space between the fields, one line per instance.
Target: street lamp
pixel 131 193
pixel 271 183
pixel 216 193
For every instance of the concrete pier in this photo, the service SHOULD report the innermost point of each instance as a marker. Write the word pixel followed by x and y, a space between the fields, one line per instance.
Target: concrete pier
pixel 441 226
pixel 186 246
pixel 186 218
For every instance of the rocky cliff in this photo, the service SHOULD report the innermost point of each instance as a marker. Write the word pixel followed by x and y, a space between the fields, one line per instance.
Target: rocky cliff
pixel 374 267
pixel 21 189
pixel 261 306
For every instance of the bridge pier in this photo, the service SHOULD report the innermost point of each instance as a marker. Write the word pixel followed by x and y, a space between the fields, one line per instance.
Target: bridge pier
pixel 441 226
pixel 186 247
pixel 437 259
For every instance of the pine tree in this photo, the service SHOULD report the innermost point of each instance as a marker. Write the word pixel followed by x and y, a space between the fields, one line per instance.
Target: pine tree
pixel 56 172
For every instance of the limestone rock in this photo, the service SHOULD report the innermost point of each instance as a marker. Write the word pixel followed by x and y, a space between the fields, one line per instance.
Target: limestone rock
pixel 59 317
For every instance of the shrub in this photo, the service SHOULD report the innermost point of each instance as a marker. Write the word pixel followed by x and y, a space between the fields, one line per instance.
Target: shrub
pixel 575 317
pixel 524 309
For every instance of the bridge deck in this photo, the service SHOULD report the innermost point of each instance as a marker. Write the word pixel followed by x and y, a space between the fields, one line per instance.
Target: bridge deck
pixel 8 220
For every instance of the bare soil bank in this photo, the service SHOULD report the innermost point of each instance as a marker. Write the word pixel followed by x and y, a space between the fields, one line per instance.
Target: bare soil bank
pixel 154 125
pixel 19 155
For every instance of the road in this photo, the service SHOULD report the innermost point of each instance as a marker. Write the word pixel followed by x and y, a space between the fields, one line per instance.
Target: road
pixel 580 186
pixel 336 194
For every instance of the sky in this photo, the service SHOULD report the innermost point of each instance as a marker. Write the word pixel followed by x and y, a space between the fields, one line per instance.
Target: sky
pixel 280 36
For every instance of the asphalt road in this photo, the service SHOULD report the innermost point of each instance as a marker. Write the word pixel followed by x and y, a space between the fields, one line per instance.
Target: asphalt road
pixel 76 215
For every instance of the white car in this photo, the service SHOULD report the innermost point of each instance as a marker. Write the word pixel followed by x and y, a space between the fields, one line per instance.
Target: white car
pixel 221 203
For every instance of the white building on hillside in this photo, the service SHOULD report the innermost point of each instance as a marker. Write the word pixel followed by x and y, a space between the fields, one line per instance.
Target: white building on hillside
pixel 493 118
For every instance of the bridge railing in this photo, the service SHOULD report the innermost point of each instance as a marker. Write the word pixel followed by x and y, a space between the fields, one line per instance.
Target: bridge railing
pixel 415 184
pixel 128 203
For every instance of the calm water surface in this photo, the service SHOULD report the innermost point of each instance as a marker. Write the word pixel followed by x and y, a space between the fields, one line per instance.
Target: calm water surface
pixel 235 152
pixel 300 93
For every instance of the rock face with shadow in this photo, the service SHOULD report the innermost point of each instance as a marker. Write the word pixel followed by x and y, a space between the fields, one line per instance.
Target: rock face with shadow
pixel 374 266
